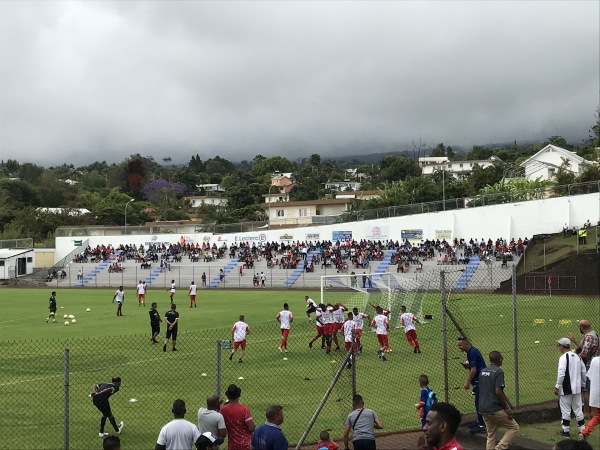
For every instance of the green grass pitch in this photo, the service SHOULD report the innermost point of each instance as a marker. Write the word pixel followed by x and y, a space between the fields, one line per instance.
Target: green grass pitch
pixel 103 345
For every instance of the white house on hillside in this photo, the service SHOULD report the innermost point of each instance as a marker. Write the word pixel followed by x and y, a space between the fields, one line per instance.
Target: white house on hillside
pixel 431 164
pixel 196 201
pixel 545 163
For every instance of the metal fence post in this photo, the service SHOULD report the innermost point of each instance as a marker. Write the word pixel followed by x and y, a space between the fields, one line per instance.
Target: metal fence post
pixel 444 335
pixel 218 371
pixel 353 362
pixel 515 342
pixel 66 401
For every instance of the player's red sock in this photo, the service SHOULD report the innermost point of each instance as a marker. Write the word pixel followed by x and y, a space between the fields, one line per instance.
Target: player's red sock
pixel 417 346
pixel 335 340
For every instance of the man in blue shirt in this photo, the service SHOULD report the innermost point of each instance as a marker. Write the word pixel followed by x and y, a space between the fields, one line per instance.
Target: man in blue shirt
pixel 269 436
pixel 474 364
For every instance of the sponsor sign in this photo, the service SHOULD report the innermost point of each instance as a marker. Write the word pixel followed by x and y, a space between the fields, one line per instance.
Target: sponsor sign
pixel 221 239
pixel 341 236
pixel 443 234
pixel 286 237
pixel 411 235
pixel 262 237
pixel 313 236
pixel 78 243
pixel 377 233
pixel 207 238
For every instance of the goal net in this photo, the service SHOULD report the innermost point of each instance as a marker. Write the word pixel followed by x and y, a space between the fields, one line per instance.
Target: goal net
pixel 380 289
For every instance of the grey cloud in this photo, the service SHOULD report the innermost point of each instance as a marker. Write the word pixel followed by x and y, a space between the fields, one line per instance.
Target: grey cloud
pixel 83 80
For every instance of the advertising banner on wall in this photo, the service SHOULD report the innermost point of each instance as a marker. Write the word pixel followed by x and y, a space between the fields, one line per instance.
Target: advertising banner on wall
pixel 262 237
pixel 341 236
pixel 411 235
pixel 443 235
pixel 313 236
pixel 377 233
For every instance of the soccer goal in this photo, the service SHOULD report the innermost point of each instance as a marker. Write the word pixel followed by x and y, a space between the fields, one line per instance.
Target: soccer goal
pixel 385 290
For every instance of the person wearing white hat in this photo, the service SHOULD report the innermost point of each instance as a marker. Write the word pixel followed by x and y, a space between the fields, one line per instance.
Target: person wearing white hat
pixel 570 379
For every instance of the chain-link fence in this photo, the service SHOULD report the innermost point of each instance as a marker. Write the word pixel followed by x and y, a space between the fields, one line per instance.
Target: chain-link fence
pixel 46 384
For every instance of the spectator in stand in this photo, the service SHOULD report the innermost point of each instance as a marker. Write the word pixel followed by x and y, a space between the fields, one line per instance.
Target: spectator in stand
pixel 178 434
pixel 441 424
pixel 210 419
pixel 269 436
pixel 238 420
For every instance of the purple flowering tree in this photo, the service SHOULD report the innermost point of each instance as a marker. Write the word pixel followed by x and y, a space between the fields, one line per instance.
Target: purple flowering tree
pixel 152 191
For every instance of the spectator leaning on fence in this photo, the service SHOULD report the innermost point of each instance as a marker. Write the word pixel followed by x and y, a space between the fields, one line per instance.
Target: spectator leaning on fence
pixel 571 377
pixel 178 434
pixel 440 427
pixel 587 348
pixel 474 364
pixel 494 405
pixel 210 419
pixel 362 421
pixel 269 436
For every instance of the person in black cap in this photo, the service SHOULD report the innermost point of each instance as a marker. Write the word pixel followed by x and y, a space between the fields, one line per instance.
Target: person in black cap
pixel 208 441
pixel 238 420
pixel 100 395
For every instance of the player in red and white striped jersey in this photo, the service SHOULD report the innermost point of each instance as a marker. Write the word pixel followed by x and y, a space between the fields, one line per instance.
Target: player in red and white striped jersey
pixel 338 320
pixel 408 321
pixel 238 336
pixel 320 327
pixel 359 318
pixel 349 328
pixel 380 322
pixel 328 324
pixel 285 319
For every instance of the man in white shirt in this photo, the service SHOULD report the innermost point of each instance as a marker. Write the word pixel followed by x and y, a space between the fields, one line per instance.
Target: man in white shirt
pixel 141 292
pixel 178 434
pixel 120 298
pixel 570 379
pixel 380 322
pixel 594 376
pixel 172 291
pixel 238 336
pixel 285 318
pixel 192 294
pixel 408 321
pixel 210 419
pixel 338 322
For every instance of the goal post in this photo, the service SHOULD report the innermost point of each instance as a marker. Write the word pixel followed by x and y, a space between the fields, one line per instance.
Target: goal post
pixel 349 290
pixel 387 290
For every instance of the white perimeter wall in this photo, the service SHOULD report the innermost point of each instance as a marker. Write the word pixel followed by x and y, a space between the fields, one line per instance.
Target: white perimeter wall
pixel 516 220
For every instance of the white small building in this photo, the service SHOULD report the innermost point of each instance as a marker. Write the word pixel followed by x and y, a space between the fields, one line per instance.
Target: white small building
pixel 16 263
pixel 545 163
pixel 341 186
pixel 196 201
pixel 431 164
pixel 211 188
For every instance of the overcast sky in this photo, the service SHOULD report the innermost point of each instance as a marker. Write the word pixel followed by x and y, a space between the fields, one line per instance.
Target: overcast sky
pixel 87 81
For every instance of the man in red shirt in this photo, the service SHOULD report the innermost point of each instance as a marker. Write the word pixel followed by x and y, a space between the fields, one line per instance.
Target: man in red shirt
pixel 238 420
pixel 440 427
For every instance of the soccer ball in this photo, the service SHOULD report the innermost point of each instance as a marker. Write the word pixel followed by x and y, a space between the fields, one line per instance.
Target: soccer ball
pixel 88 310
pixel 73 321
pixel 66 316
pixel 67 323
pixel 71 316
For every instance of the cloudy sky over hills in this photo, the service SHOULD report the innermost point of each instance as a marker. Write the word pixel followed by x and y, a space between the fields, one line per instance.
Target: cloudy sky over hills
pixel 86 81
